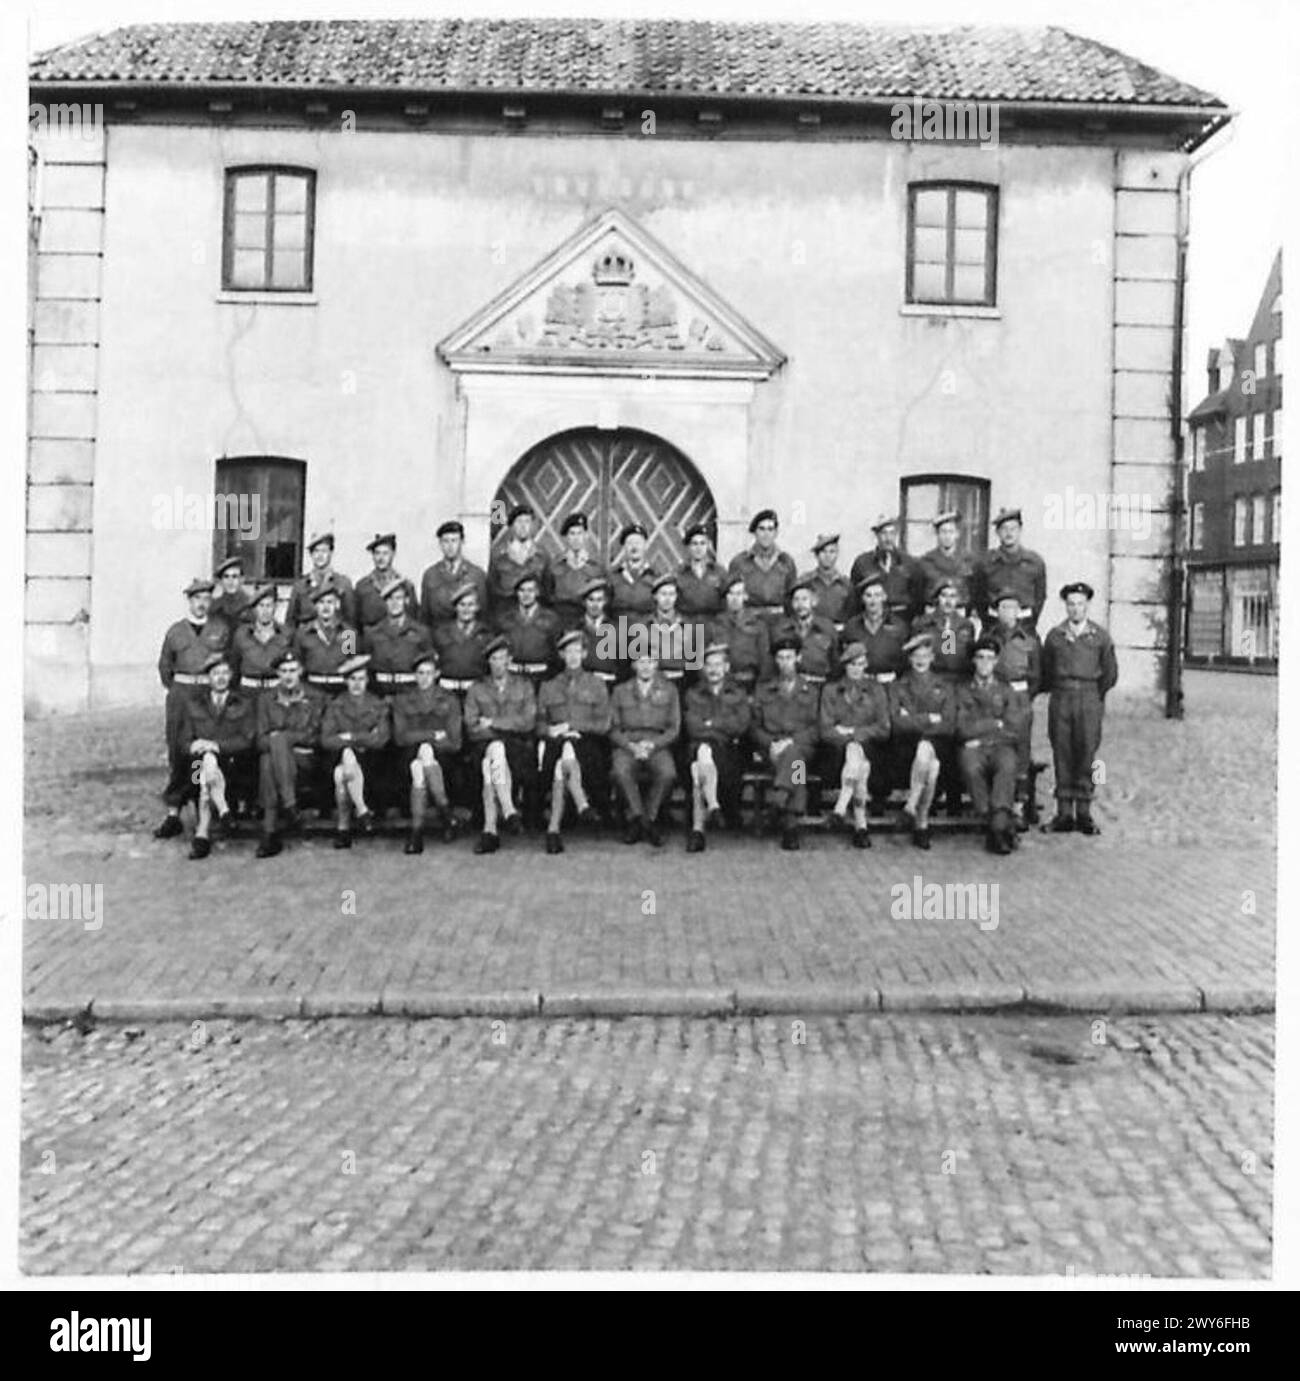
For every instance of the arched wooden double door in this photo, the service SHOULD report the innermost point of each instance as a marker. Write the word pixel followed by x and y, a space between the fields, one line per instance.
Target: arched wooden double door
pixel 615 478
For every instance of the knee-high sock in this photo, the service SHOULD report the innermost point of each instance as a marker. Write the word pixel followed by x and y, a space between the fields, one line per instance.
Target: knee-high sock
pixel 708 775
pixel 341 798
pixel 572 770
pixel 354 780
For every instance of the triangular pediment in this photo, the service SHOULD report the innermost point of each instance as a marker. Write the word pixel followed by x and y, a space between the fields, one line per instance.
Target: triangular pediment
pixel 611 299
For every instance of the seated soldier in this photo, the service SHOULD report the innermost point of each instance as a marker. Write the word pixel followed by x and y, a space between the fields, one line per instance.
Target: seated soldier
pixel 217 730
pixel 718 717
pixel 427 732
pixel 573 724
pixel 353 730
pixel 921 712
pixel 500 715
pixel 785 729
pixel 395 642
pixel 645 720
pixel 989 718
pixel 854 714
pixel 288 728
pixel 819 643
pixel 748 638
pixel 258 645
pixel 530 630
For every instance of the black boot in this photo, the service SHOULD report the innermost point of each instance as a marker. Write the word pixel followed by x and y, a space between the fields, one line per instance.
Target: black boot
pixel 921 837
pixel 268 846
pixel 199 847
pixel 1084 822
pixel 695 842
pixel 1062 821
pixel 554 844
pixel 790 838
pixel 414 842
pixel 654 833
pixel 635 831
pixel 862 839
pixel 487 843
pixel 343 839
pixel 169 828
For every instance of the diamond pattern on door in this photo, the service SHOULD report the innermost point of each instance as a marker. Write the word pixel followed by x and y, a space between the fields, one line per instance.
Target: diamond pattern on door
pixel 615 478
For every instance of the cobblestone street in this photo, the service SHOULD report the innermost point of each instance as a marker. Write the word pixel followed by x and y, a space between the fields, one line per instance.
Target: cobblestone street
pixel 915 1144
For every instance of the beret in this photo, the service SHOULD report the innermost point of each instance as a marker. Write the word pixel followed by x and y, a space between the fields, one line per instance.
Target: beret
pixel 714 648
pixel 318 537
pixel 495 645
pixel 452 525
pixel 382 539
pixel 824 539
pixel 199 585
pixel 359 662
pixel 952 516
pixel 631 530
pixel 574 635
pixel 918 641
pixel 1006 593
pixel 525 577
pixel 1078 587
pixel 572 521
pixel 288 655
pixel 668 578
pixel 986 644
pixel 261 592
pixel 430 654
pixel 235 563
pixel 459 593
pixel 215 659
pixel 786 642
pixel 391 587
pixel 325 591
pixel 944 582
pixel 1007 515
pixel 764 515
pixel 852 652
pixel 697 530
pixel 883 521
pixel 596 583
pixel 520 510
pixel 874 578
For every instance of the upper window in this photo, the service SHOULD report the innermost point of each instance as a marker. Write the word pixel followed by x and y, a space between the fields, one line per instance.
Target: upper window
pixel 1240 517
pixel 1258 512
pixel 1198 448
pixel 259 511
pixel 269 232
pixel 1277 355
pixel 924 497
pixel 952 230
pixel 1258 433
pixel 1261 360
pixel 1239 441
pixel 1198 527
pixel 1277 515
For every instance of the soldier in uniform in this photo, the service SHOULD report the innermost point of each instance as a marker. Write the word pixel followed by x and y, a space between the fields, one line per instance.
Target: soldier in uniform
pixel 896 569
pixel 854 715
pixel 718 716
pixel 259 644
pixel 600 634
pixel 921 711
pixel 769 573
pixel 427 732
pixel 354 727
pixel 372 608
pixel 500 716
pixel 1079 670
pixel 441 581
pixel 670 638
pixel 288 727
pixel 462 644
pixel 217 732
pixel 572 571
pixel 517 556
pixel 748 638
pixel 1019 664
pixel 945 562
pixel 819 643
pixel 953 636
pixel 573 719
pixel 230 602
pixel 530 630
pixel 989 715
pixel 186 647
pixel 633 577
pixel 1010 567
pixel 700 578
pixel 645 721
pixel 878 631
pixel 833 595
pixel 396 643
pixel 785 730
pixel 302 605
pixel 326 643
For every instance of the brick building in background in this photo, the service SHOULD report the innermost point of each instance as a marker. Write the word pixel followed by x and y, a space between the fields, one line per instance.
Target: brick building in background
pixel 1234 495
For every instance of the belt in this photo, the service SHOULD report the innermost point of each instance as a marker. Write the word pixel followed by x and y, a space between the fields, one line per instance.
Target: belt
pixel 260 682
pixel 768 608
pixel 607 676
pixel 395 678
pixel 885 677
pixel 184 678
pixel 1018 685
pixel 1065 681
pixel 529 668
pixel 322 679
pixel 451 683
pixel 672 675
pixel 815 680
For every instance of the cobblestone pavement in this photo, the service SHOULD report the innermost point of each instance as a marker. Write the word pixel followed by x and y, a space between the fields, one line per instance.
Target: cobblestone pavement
pixel 987 1144
pixel 1172 907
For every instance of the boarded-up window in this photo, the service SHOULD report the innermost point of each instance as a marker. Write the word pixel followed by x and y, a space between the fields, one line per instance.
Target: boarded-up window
pixel 259 515
pixel 924 497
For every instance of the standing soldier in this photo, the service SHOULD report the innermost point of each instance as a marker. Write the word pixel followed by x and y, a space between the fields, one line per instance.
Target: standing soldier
pixel 445 577
pixel 878 631
pixel 989 715
pixel 921 712
pixel 1019 664
pixel 230 602
pixel 953 636
pixel 819 644
pixel 832 590
pixel 396 643
pixel 668 637
pixel 1010 567
pixel 718 718
pixel 573 722
pixel 785 730
pixel 500 716
pixel 854 719
pixel 462 644
pixel 427 732
pixel 517 555
pixel 288 726
pixel 748 638
pixel 896 569
pixel 700 578
pixel 945 562
pixel 633 577
pixel 530 630
pixel 769 573
pixel 186 647
pixel 326 643
pixel 1079 669
pixel 370 603
pixel 645 721
pixel 302 606
pixel 258 645
pixel 572 571
pixel 355 726
pixel 217 731
pixel 602 654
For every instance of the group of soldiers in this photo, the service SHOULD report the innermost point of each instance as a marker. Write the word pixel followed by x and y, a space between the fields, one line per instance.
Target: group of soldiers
pixel 535 691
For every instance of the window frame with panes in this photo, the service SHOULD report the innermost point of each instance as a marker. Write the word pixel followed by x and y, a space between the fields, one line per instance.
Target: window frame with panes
pixel 245 209
pixel 922 231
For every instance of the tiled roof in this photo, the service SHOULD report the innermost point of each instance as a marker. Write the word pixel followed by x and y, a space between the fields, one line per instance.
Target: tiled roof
pixel 650 57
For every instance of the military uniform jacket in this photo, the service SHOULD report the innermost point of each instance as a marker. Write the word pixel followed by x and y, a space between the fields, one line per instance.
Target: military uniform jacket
pixel 565 583
pixel 531 637
pixel 631 591
pixel 782 714
pixel 922 705
pixel 298 718
pixel 723 716
pixel 418 715
pixel 512 707
pixel 371 609
pixel 302 608
pixel 601 643
pixel 819 645
pixel 700 593
pixel 862 706
pixel 749 640
pixel 231 728
pixel 460 650
pixel 322 653
pixel 441 581
pixel 576 698
pixel 255 656
pixel 396 646
pixel 833 595
pixel 655 715
pixel 1025 573
pixel 1086 656
pixel 981 706
pixel 953 638
pixel 766 587
pixel 1020 658
pixel 235 609
pixel 187 645
pixel 937 564
pixel 504 571
pixel 884 644
pixel 364 716
pixel 675 642
pixel 898 570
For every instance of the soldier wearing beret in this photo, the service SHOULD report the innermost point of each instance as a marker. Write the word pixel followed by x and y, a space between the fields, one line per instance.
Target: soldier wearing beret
pixel 572 571
pixel 990 715
pixel 500 716
pixel 217 730
pixel 326 643
pixel 1010 566
pixel 517 555
pixel 302 606
pixel 718 716
pixel 186 647
pixel 785 730
pixel 633 577
pixel 1079 671
pixel 230 601
pixel 834 597
pixel 371 606
pixel 896 569
pixel 878 631
pixel 530 630
pixel 288 727
pixel 953 636
pixel 645 720
pixel 258 644
pixel 854 719
pixel 768 572
pixel 945 561
pixel 427 732
pixel 442 579
pixel 1019 664
pixel 573 719
pixel 921 712
pixel 396 643
pixel 700 578
pixel 674 642
pixel 601 652
pixel 748 638
pixel 461 645
pixel 355 726
pixel 818 641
